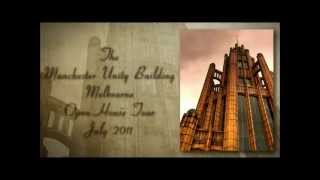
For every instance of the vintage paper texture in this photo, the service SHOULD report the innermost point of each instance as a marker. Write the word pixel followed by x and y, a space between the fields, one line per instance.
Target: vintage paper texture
pixel 69 45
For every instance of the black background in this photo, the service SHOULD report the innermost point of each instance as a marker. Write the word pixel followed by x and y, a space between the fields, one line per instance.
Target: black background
pixel 297 60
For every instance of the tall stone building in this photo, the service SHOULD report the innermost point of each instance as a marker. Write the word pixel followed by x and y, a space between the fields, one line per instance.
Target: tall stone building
pixel 235 111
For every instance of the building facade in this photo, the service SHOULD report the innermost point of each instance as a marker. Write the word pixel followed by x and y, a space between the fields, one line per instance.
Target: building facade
pixel 55 125
pixel 235 111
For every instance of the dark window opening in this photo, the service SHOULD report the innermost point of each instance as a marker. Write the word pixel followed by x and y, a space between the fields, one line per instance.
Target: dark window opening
pixel 240 65
pixel 241 81
pixel 223 111
pixel 246 65
pixel 214 104
pixel 243 128
pixel 269 111
pixel 258 125
pixel 249 81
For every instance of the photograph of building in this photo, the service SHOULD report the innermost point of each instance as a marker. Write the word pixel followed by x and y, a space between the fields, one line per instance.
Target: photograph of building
pixel 235 110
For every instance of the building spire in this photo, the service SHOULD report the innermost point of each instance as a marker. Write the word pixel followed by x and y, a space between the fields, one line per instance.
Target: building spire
pixel 237 39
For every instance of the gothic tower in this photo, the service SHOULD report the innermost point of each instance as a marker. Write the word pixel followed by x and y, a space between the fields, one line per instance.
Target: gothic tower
pixel 235 114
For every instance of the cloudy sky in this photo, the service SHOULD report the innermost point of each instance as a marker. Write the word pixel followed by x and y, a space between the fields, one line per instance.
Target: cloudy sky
pixel 199 48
